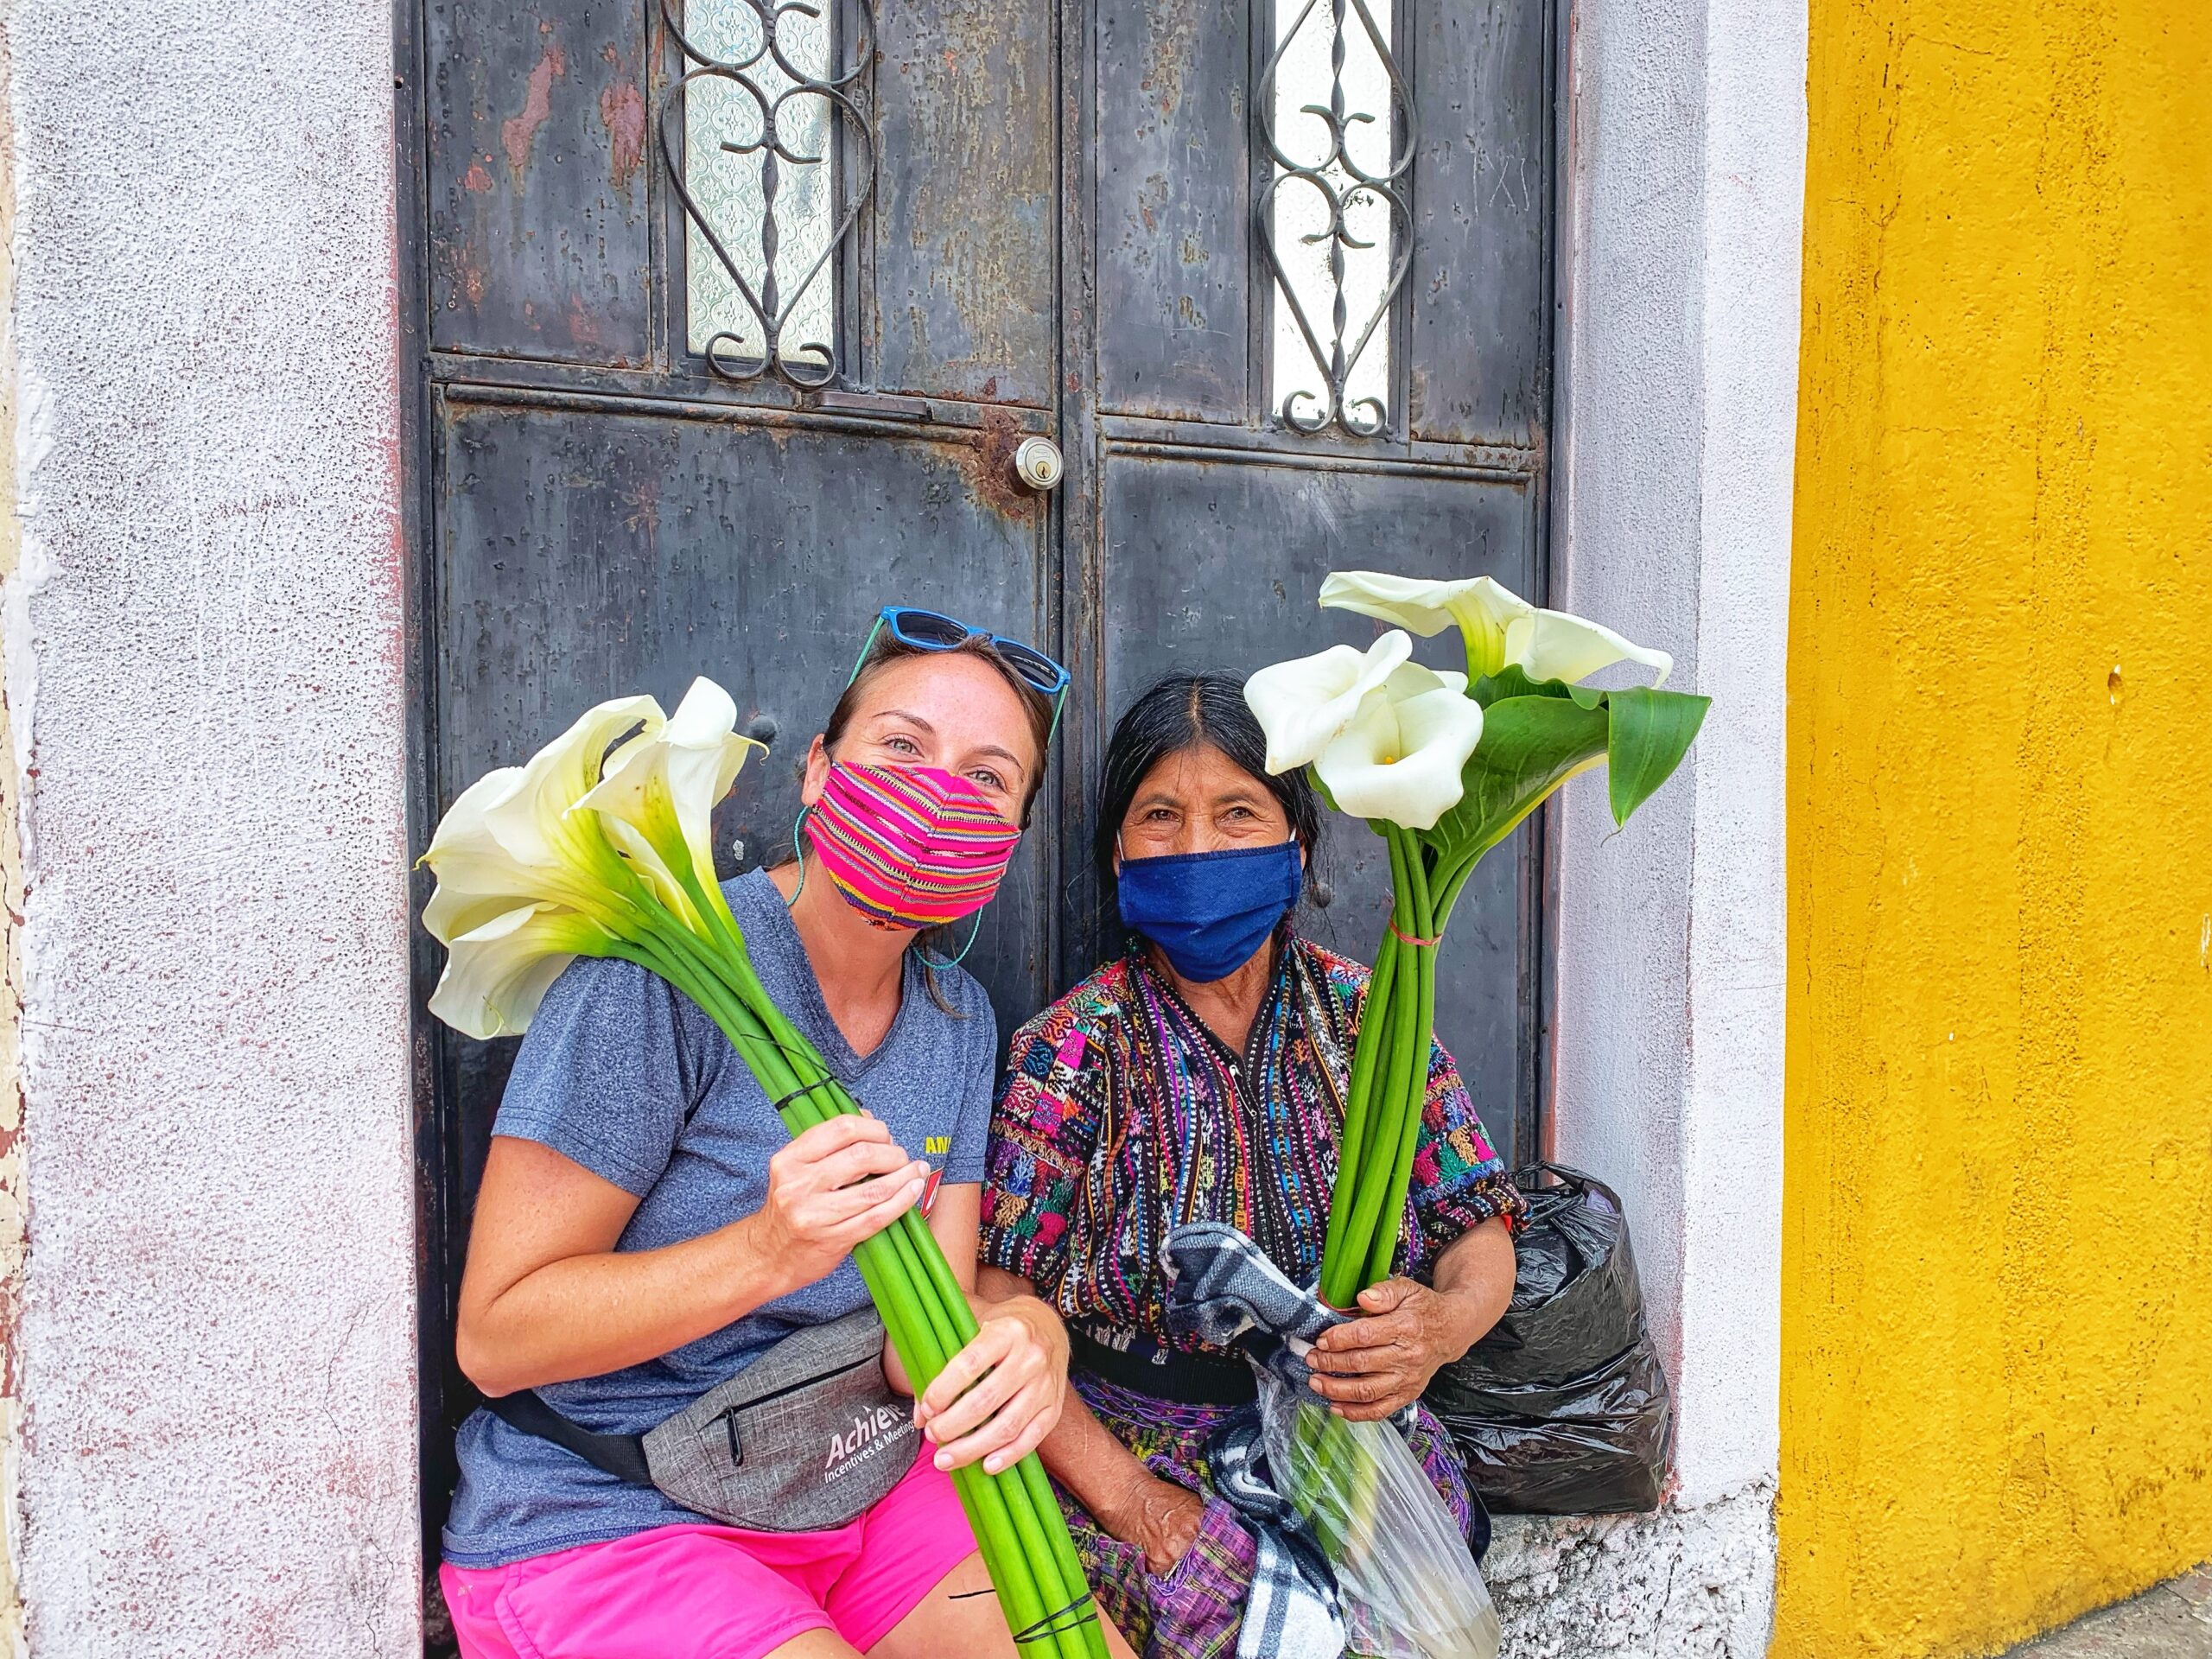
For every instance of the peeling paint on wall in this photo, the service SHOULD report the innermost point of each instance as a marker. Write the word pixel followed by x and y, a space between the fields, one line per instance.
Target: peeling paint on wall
pixel 1681 1584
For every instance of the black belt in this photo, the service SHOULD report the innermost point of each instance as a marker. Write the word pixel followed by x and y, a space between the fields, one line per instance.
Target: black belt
pixel 1141 1366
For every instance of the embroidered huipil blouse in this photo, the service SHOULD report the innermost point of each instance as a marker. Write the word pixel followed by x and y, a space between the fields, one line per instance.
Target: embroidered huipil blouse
pixel 1122 1115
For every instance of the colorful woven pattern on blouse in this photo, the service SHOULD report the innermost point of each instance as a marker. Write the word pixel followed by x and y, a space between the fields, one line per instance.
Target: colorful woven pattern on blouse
pixel 1195 1610
pixel 914 846
pixel 1124 1116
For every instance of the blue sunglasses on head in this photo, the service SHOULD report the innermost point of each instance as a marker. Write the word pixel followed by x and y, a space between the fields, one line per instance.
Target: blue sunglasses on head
pixel 933 631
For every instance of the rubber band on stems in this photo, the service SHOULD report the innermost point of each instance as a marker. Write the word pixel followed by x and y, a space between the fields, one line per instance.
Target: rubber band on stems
pixel 1408 938
pixel 803 1089
pixel 1072 1616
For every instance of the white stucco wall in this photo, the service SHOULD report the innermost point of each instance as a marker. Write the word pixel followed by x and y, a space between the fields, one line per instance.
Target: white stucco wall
pixel 205 675
pixel 1685 170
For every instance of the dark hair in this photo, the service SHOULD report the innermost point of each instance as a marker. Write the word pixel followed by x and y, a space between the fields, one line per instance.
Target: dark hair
pixel 1036 707
pixel 1179 713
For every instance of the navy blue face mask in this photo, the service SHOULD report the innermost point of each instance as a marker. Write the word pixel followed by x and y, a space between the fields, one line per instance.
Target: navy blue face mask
pixel 1210 912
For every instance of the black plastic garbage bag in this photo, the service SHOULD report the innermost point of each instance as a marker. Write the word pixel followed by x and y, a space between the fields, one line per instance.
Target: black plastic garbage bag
pixel 1596 1444
pixel 1563 1408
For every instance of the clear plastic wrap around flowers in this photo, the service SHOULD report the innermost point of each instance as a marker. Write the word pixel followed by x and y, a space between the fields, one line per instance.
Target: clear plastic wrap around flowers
pixel 1408 1587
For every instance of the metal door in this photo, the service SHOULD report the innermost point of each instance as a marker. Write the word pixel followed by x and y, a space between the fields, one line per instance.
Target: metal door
pixel 732 318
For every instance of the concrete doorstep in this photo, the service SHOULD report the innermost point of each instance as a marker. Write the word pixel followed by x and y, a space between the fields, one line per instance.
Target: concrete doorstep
pixel 2172 1620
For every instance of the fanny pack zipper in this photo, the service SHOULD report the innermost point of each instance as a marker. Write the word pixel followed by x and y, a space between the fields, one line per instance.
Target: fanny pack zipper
pixel 729 1419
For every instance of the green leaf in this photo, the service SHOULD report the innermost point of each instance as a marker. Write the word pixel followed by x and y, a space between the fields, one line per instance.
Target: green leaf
pixel 1512 681
pixel 1530 746
pixel 1651 732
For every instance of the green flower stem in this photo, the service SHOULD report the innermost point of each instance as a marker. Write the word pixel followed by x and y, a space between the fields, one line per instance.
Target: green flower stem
pixel 1034 1509
pixel 1074 1582
pixel 1025 1598
pixel 1055 1586
pixel 1387 1123
pixel 1344 1246
pixel 1374 1228
pixel 925 1329
pixel 1412 1095
pixel 1375 1017
pixel 1344 1258
pixel 1033 1559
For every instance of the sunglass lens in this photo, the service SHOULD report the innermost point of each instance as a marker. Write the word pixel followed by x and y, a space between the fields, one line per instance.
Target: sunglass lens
pixel 1033 665
pixel 928 629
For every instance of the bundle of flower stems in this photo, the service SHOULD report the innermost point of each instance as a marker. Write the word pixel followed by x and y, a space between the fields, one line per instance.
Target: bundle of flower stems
pixel 589 851
pixel 1389 1076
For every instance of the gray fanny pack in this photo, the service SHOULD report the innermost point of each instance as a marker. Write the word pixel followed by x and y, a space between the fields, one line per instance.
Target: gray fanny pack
pixel 808 1437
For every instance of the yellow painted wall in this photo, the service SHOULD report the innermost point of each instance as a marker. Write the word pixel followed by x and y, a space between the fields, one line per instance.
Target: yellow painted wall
pixel 1997 1391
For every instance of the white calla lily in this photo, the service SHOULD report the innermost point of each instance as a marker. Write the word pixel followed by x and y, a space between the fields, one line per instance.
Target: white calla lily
pixel 531 819
pixel 1305 704
pixel 1500 627
pixel 478 878
pixel 504 840
pixel 498 972
pixel 1554 645
pixel 658 798
pixel 1400 758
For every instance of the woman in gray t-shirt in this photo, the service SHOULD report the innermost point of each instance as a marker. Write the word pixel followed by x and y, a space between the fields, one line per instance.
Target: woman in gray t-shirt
pixel 645 1230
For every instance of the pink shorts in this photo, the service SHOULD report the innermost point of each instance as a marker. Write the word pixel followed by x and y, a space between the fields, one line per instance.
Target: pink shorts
pixel 716 1592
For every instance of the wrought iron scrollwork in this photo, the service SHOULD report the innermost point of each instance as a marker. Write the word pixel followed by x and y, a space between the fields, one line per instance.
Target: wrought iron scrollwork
pixel 775 138
pixel 1341 183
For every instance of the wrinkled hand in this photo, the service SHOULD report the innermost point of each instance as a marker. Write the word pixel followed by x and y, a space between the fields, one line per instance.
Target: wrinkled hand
pixel 1162 1519
pixel 1370 1368
pixel 835 1185
pixel 999 1397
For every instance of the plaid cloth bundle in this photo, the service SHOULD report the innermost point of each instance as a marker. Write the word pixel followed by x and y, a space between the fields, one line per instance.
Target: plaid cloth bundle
pixel 1224 1291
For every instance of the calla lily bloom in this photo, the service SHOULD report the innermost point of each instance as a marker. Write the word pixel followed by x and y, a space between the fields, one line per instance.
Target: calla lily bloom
pixel 1501 628
pixel 507 841
pixel 1305 704
pixel 1444 771
pixel 531 820
pixel 657 800
pixel 523 888
pixel 1400 758
pixel 498 972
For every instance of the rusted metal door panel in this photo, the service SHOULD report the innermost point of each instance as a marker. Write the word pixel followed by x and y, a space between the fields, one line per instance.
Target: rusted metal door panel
pixel 966 200
pixel 1479 329
pixel 1214 563
pixel 592 553
pixel 539 222
pixel 1173 208
pixel 1210 496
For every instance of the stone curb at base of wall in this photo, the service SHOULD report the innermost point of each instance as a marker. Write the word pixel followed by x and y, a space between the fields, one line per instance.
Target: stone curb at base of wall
pixel 1682 1583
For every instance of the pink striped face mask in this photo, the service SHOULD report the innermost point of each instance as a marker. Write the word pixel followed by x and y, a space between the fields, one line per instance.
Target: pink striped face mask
pixel 912 847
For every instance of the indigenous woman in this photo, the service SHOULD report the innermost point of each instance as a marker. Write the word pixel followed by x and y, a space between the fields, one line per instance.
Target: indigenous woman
pixel 646 1231
pixel 1201 1077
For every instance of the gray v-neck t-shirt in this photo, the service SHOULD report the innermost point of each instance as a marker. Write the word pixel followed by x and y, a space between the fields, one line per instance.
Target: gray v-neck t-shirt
pixel 626 1076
